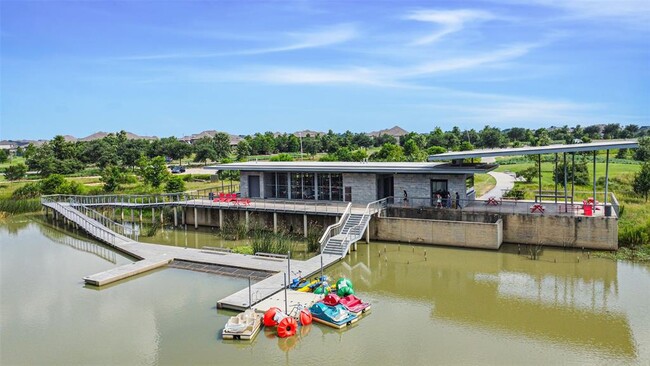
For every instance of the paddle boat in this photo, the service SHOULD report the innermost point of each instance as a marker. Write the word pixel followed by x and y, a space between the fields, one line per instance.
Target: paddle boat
pixel 354 304
pixel 334 316
pixel 243 326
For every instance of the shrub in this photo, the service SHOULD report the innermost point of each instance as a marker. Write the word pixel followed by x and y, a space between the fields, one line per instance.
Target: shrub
pixel 57 184
pixel 175 184
pixel 515 193
pixel 28 191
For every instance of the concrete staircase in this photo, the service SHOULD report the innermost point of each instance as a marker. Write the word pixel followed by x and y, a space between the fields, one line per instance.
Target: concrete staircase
pixel 352 231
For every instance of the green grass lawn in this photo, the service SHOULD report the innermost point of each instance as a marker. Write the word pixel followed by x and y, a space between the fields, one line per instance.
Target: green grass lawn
pixel 483 183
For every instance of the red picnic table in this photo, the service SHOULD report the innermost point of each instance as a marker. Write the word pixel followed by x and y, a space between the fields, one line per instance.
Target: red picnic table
pixel 537 208
pixel 492 201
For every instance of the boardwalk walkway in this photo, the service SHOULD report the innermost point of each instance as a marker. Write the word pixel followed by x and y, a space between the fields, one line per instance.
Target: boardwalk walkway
pixel 154 256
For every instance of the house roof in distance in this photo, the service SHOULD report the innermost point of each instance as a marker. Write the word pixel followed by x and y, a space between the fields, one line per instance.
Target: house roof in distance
pixel 534 150
pixel 355 167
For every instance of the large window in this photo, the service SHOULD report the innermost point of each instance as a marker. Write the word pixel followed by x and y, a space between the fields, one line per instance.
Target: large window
pixel 336 184
pixel 275 185
pixel 304 186
pixel 324 187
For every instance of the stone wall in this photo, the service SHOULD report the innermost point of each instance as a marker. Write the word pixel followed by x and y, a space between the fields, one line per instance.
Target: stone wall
pixel 419 185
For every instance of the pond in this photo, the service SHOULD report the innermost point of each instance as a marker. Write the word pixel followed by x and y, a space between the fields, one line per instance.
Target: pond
pixel 452 306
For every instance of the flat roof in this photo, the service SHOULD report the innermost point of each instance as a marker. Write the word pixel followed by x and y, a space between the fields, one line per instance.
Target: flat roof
pixel 534 150
pixel 355 167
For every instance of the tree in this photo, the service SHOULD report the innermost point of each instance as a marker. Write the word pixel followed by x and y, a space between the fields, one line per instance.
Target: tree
pixel 4 155
pixel 243 150
pixel 222 145
pixel 153 171
pixel 16 172
pixel 175 149
pixel 389 152
pixel 621 154
pixel 643 152
pixel 491 137
pixel 641 183
pixel 611 131
pixel 175 185
pixel 593 132
pixel 204 150
pixel 112 177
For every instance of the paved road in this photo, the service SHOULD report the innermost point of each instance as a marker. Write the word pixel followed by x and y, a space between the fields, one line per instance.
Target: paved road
pixel 505 182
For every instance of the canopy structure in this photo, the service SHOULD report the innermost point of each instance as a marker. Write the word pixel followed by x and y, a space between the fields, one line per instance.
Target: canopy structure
pixel 535 150
pixel 459 156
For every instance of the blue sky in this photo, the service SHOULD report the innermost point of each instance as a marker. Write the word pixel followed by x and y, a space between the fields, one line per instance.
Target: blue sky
pixel 179 67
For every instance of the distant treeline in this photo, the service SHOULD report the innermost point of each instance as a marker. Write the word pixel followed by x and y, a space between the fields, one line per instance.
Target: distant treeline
pixel 59 156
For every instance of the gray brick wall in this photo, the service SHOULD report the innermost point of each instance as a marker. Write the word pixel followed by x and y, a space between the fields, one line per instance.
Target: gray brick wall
pixel 419 185
pixel 364 186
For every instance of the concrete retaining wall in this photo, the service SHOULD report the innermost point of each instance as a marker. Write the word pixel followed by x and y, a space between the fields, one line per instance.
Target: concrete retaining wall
pixel 562 231
pixel 439 232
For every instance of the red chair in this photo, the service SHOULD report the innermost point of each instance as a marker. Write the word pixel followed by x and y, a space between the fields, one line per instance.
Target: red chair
pixel 222 197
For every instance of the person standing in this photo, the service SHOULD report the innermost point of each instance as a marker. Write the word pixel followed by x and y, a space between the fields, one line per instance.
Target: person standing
pixel 458 201
pixel 406 198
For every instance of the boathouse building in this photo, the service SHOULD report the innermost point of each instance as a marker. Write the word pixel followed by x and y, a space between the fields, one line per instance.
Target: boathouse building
pixel 356 182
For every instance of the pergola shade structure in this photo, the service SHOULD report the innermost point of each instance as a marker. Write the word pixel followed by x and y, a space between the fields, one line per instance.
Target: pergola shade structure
pixel 458 156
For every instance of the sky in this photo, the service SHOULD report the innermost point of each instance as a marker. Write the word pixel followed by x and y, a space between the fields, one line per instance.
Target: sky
pixel 180 67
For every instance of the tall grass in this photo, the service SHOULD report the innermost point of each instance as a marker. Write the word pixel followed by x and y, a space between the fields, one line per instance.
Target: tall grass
pixel 233 229
pixel 13 207
pixel 268 242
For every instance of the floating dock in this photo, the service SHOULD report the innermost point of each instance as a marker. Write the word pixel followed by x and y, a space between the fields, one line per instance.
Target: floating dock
pixel 128 270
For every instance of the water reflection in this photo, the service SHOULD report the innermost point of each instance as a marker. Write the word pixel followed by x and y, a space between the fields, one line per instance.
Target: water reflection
pixel 565 297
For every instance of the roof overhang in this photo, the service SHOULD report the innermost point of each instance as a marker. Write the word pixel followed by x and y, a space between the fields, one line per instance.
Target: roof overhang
pixel 356 167
pixel 535 150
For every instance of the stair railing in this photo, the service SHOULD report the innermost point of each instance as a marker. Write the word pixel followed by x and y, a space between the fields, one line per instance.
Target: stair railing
pixel 335 228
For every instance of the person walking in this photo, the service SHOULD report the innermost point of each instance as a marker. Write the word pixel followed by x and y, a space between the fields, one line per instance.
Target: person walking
pixel 458 201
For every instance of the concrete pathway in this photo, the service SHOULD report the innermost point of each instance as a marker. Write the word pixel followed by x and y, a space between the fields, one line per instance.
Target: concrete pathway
pixel 505 182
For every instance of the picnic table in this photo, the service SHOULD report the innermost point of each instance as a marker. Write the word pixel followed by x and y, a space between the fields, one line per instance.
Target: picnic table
pixel 537 208
pixel 492 201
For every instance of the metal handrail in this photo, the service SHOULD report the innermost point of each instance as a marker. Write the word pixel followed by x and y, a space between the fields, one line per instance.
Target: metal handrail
pixel 365 217
pixel 328 232
pixel 381 203
pixel 98 232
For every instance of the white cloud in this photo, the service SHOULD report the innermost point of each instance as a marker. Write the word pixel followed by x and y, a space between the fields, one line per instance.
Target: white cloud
pixel 634 13
pixel 450 21
pixel 295 41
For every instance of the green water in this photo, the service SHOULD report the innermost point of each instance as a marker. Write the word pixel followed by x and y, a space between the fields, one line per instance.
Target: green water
pixel 208 237
pixel 457 307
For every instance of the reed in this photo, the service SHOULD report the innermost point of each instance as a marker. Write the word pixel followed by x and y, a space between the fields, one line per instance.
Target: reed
pixel 14 207
pixel 268 242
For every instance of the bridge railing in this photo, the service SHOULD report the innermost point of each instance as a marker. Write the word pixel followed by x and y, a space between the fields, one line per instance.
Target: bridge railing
pixel 99 232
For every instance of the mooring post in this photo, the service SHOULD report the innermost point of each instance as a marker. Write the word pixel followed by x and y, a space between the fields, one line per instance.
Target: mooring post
pixel 250 294
pixel 286 311
pixel 289 264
